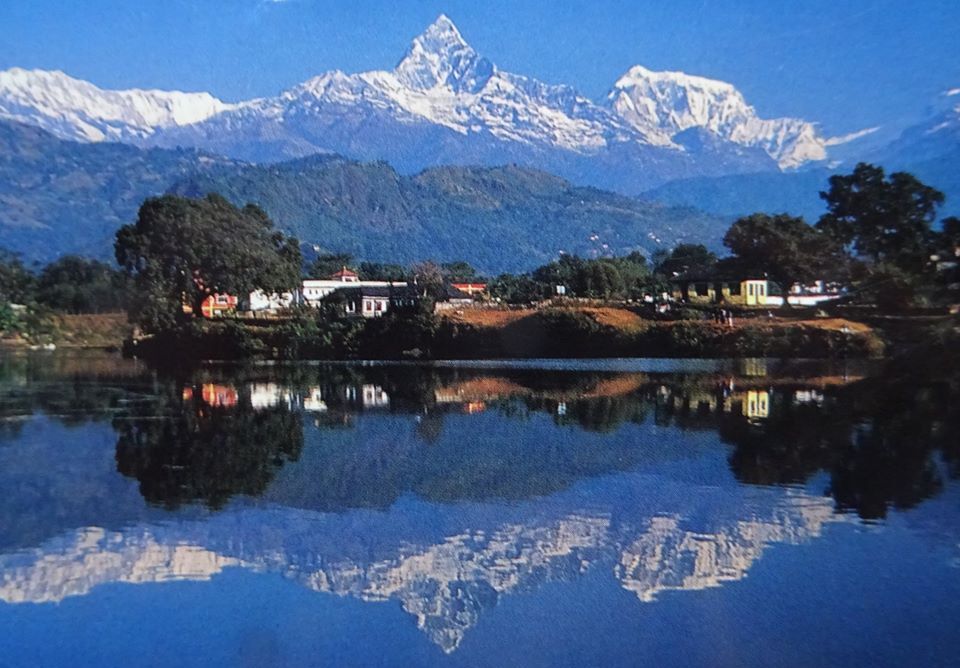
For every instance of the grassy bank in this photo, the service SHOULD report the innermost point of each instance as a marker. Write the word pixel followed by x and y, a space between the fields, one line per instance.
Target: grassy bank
pixel 577 332
pixel 619 332
pixel 89 330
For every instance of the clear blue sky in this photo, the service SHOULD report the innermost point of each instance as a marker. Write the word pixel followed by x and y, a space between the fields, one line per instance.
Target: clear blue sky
pixel 846 64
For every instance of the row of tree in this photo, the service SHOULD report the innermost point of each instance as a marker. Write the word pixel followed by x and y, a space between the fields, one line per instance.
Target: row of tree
pixel 877 236
pixel 71 284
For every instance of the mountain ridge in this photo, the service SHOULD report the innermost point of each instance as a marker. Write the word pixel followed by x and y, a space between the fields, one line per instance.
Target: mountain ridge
pixel 446 103
pixel 63 197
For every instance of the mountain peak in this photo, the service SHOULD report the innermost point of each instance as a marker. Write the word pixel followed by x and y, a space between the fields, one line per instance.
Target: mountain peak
pixel 443 29
pixel 639 74
pixel 662 104
pixel 440 56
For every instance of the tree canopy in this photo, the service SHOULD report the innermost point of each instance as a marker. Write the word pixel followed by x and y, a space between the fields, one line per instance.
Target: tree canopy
pixel 16 281
pixel 782 248
pixel 327 264
pixel 685 259
pixel 79 285
pixel 181 250
pixel 882 219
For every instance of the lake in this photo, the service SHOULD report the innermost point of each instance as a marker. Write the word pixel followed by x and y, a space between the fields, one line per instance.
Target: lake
pixel 543 513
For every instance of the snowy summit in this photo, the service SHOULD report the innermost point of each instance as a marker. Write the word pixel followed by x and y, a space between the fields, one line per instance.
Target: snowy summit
pixel 443 103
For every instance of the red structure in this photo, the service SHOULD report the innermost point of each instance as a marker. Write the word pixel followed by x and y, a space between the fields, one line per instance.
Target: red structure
pixel 471 289
pixel 216 306
pixel 345 275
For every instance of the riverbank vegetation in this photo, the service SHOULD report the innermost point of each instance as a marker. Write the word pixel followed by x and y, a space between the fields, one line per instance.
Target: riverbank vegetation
pixel 879 241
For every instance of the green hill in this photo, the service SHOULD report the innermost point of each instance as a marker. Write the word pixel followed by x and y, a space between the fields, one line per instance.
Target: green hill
pixel 60 197
pixel 499 218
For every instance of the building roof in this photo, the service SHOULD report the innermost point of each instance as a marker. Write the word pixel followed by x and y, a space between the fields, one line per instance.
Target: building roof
pixel 398 291
pixel 452 293
pixel 342 273
pixel 724 277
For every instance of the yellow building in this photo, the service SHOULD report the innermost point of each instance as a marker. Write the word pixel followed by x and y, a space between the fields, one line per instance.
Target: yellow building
pixel 747 292
pixel 754 292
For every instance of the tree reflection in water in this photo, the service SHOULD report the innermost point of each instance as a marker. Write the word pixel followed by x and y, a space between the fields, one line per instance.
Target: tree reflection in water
pixel 206 446
pixel 882 442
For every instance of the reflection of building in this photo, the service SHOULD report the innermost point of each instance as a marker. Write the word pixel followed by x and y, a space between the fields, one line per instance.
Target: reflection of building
pixel 218 396
pixel 374 396
pixel 706 402
pixel 756 404
pixel 753 367
pixel 313 401
pixel 808 397
pixel 268 395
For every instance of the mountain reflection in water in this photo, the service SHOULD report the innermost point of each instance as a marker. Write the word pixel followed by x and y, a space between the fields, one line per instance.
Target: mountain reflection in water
pixel 444 488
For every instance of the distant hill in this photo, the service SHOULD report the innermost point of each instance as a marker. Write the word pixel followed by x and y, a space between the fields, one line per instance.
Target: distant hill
pixel 498 218
pixel 797 192
pixel 60 197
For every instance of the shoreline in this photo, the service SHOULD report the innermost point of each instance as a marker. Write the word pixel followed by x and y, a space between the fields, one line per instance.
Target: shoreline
pixel 555 333
pixel 598 332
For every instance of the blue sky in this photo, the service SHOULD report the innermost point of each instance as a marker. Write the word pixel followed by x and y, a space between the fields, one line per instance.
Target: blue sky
pixel 845 64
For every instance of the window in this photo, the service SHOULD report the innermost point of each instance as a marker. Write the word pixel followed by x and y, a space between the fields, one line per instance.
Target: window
pixel 750 289
pixel 221 299
pixel 367 305
pixel 734 289
pixel 762 288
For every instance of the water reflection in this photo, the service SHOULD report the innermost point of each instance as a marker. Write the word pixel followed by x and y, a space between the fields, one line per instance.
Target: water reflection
pixel 445 489
pixel 203 444
pixel 445 582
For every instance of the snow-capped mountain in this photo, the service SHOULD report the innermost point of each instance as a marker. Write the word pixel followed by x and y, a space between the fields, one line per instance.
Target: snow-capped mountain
pixel 444 103
pixel 75 109
pixel 932 139
pixel 441 82
pixel 662 104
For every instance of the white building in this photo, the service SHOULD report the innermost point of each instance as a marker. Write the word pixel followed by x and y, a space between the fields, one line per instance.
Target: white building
pixel 313 290
pixel 259 300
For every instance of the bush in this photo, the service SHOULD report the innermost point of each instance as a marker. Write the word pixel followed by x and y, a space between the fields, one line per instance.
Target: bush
pixel 8 319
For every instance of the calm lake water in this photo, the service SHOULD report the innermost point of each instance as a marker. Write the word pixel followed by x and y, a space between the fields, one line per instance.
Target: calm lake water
pixel 609 513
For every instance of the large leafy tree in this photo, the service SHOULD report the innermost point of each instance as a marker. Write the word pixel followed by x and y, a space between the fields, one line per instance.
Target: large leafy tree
pixel 383 271
pixel 783 248
pixel 16 281
pixel 327 264
pixel 182 250
pixel 882 219
pixel 80 285
pixel 685 259
pixel 459 272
